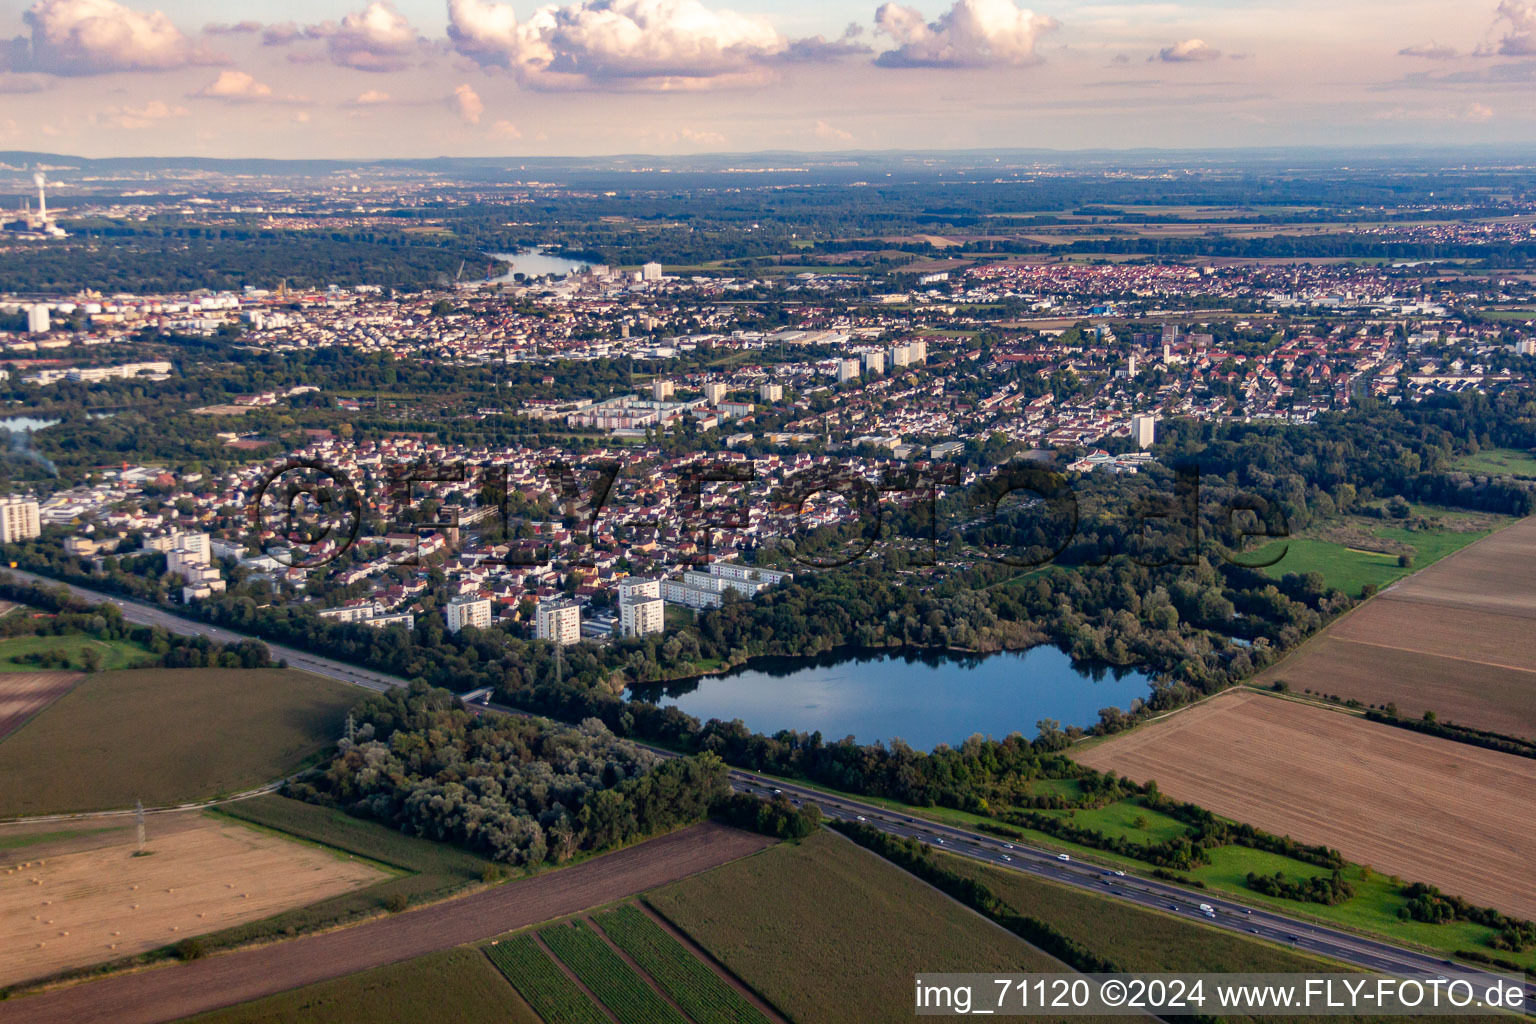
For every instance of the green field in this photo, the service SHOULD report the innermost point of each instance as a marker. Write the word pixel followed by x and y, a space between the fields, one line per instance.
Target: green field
pixel 1136 938
pixel 1346 569
pixel 607 976
pixel 114 654
pixel 454 987
pixel 1498 462
pixel 168 736
pixel 428 871
pixel 554 997
pixel 690 983
pixel 830 933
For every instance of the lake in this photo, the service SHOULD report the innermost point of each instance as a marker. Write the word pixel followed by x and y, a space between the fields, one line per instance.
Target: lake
pixel 535 263
pixel 924 698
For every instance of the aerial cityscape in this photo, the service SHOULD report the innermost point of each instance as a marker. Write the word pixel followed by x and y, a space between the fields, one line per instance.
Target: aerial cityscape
pixel 646 512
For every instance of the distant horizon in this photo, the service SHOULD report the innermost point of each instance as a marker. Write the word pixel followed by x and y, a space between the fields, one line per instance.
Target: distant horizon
pixel 1453 151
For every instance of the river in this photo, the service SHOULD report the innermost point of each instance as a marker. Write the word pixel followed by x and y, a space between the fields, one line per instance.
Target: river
pixel 924 698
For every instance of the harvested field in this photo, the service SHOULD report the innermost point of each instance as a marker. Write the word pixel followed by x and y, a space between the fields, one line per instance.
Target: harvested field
pixel 149 997
pixel 24 694
pixel 198 875
pixel 1371 791
pixel 1454 639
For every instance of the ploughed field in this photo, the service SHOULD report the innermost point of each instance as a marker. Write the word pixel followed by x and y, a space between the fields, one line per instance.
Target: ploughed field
pixel 24 694
pixel 1417 806
pixel 1455 639
pixel 62 906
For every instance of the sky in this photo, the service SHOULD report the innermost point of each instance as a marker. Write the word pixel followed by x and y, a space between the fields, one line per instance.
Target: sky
pixel 418 78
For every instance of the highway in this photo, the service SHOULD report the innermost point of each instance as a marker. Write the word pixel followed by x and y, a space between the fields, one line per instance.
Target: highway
pixel 1345 947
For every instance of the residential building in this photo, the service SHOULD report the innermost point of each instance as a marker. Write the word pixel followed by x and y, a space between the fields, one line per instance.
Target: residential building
pixel 714 393
pixel 559 622
pixel 1144 430
pixel 37 319
pixel 770 392
pixel 661 390
pixel 642 616
pixel 468 611
pixel 18 520
pixel 650 272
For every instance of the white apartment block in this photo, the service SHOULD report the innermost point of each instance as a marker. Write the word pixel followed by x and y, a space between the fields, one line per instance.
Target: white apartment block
pixel 638 588
pixel 847 370
pixel 770 392
pixel 468 612
pixel 18 520
pixel 643 616
pixel 714 393
pixel 559 622
pixel 690 594
pixel 1144 430
pixel 196 544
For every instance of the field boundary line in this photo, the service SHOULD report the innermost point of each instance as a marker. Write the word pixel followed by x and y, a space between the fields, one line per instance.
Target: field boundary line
pixel 709 960
pixel 564 968
pixel 644 975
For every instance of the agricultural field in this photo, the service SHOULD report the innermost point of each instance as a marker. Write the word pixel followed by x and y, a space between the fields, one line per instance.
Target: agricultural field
pixel 455 987
pixel 605 974
pixel 690 983
pixel 1366 789
pixel 214 982
pixel 1136 938
pixel 1499 461
pixel 24 694
pixel 109 654
pixel 168 737
pixel 786 920
pixel 1454 639
pixel 427 871
pixel 549 992
pixel 64 907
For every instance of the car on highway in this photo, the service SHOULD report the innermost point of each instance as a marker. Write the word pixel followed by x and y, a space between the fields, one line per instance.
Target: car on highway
pixel 1120 874
pixel 1062 856
pixel 1007 858
pixel 861 817
pixel 1007 846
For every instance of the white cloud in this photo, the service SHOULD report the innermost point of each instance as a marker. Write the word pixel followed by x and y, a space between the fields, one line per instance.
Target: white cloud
pixel 93 37
pixel 823 130
pixel 971 34
pixel 370 98
pixel 663 44
pixel 377 38
pixel 140 117
pixel 1429 51
pixel 467 104
pixel 1188 51
pixel 1521 38
pixel 235 86
pixel 506 129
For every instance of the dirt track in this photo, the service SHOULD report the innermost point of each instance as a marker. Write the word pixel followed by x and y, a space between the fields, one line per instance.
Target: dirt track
pixel 24 694
pixel 171 993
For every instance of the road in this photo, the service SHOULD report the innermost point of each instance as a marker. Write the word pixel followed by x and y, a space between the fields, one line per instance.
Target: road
pixel 1345 947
